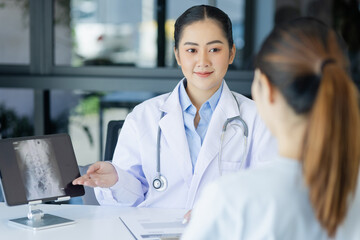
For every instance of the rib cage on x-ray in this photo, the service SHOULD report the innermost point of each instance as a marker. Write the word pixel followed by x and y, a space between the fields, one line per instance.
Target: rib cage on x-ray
pixel 39 170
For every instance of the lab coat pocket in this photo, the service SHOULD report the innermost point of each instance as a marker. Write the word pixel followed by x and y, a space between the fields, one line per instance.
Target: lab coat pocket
pixel 229 167
pixel 231 160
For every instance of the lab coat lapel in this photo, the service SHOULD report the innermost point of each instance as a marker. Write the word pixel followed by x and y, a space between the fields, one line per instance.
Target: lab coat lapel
pixel 226 108
pixel 172 129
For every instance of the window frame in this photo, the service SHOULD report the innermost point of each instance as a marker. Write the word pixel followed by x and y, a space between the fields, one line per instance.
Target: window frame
pixel 42 75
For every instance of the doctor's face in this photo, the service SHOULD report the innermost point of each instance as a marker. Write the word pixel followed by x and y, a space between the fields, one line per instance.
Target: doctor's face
pixel 204 56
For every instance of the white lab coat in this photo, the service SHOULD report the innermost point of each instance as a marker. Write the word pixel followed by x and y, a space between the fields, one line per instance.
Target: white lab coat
pixel 135 153
pixel 269 202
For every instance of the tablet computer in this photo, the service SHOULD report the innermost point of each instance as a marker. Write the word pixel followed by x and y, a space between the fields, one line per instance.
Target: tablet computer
pixel 38 169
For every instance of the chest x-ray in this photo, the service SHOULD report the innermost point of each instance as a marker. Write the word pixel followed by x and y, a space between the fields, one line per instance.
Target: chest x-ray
pixel 38 169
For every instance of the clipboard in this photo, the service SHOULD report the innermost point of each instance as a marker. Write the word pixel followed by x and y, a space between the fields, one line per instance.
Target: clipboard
pixel 151 224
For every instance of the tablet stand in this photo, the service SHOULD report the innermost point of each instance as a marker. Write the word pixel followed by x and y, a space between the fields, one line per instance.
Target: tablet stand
pixel 37 220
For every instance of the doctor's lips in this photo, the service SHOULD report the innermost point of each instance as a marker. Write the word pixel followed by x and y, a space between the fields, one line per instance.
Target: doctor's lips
pixel 203 74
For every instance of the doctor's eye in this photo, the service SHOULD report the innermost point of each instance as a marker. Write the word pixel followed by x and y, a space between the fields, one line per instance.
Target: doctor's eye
pixel 191 50
pixel 215 50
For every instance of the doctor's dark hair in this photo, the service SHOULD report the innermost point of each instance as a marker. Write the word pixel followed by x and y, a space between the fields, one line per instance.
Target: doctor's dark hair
pixel 305 60
pixel 199 13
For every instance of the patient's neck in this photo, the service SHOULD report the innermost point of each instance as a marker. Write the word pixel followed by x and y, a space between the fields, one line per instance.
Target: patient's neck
pixel 290 138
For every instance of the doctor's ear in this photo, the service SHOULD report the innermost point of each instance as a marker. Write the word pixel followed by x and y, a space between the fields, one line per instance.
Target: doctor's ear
pixel 177 57
pixel 232 54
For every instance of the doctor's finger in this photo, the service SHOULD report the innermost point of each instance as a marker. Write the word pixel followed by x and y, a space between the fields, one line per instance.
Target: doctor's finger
pixel 91 183
pixel 88 181
pixel 80 180
pixel 187 217
pixel 76 182
pixel 103 181
pixel 94 168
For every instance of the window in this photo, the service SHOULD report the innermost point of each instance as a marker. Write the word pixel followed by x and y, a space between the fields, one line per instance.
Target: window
pixel 85 115
pixel 120 33
pixel 14 21
pixel 235 9
pixel 89 33
pixel 126 33
pixel 174 9
pixel 16 112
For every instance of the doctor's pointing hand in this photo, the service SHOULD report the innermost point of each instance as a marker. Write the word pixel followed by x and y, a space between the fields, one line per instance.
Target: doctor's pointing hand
pixel 100 174
pixel 172 145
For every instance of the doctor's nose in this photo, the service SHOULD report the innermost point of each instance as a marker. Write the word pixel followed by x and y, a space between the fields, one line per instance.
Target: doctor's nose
pixel 203 60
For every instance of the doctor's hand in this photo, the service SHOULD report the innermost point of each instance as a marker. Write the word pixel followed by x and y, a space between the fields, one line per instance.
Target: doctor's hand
pixel 187 217
pixel 100 174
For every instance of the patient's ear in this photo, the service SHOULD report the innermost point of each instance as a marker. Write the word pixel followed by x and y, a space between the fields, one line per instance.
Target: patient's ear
pixel 269 90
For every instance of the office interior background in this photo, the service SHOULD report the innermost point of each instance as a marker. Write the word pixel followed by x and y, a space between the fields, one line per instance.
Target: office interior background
pixel 73 65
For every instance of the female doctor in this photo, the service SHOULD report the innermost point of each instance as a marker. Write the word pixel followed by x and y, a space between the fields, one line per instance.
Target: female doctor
pixel 172 145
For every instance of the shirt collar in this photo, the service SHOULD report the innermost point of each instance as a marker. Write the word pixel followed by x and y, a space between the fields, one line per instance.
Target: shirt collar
pixel 213 101
pixel 185 101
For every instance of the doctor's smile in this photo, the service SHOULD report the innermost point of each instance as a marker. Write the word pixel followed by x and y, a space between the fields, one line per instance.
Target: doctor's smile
pixel 203 74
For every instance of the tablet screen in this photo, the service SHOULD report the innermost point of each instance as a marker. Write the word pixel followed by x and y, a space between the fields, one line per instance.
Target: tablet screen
pixel 38 168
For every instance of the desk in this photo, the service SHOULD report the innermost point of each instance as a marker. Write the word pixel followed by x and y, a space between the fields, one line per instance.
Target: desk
pixel 91 222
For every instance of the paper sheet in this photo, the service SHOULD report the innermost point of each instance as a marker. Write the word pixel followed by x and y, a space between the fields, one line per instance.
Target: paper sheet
pixel 151 224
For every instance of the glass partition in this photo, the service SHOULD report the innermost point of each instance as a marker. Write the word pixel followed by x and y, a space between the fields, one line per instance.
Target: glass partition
pixel 107 32
pixel 124 33
pixel 235 9
pixel 14 28
pixel 16 112
pixel 85 115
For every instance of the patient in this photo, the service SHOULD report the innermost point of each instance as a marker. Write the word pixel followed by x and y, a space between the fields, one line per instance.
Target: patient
pixel 306 97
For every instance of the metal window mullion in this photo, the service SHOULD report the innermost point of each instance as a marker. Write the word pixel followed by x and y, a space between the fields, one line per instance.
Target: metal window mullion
pixel 41 58
pixel 41 36
pixel 48 28
pixel 161 40
pixel 212 3
pixel 249 29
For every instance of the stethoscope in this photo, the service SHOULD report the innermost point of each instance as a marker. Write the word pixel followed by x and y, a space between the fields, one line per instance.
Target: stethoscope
pixel 160 182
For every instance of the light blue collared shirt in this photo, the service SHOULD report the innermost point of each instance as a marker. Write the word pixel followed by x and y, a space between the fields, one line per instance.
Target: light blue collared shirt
pixel 195 137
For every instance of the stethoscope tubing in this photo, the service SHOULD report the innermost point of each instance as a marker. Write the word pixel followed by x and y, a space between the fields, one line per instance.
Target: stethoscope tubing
pixel 160 183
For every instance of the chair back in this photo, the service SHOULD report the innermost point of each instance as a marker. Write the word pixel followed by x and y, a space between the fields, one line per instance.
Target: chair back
pixel 1 194
pixel 112 135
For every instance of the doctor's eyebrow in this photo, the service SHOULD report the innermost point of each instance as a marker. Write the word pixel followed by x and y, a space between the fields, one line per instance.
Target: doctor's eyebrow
pixel 215 41
pixel 209 43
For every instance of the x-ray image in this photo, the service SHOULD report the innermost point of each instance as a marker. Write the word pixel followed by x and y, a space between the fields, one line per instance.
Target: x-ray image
pixel 39 170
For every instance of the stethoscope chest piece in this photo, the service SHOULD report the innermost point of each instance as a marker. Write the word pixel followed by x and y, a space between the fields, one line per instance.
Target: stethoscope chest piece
pixel 159 183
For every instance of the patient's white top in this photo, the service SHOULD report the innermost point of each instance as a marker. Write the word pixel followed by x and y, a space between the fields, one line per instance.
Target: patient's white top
pixel 269 202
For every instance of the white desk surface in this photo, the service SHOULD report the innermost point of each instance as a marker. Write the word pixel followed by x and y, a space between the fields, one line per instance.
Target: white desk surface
pixel 91 222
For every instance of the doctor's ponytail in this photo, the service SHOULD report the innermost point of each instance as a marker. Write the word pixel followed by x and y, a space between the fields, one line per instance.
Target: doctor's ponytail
pixel 305 61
